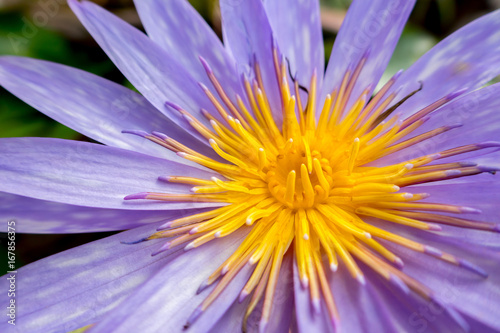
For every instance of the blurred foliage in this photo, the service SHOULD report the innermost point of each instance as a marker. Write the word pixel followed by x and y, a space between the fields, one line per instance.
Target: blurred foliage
pixel 63 40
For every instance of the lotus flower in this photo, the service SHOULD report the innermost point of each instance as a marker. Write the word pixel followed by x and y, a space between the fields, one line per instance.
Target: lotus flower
pixel 260 194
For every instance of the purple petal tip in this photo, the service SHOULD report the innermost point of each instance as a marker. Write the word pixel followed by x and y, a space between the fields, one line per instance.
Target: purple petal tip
pixel 457 93
pixel 202 86
pixel 164 178
pixel 473 268
pixel 136 132
pixel 396 281
pixel 262 326
pixel 398 74
pixel 486 168
pixel 488 144
pixel 316 303
pixel 173 106
pixel 470 210
pixel 399 263
pixel 434 227
pixel 164 226
pixel 142 195
pixel 164 248
pixel 204 285
pixel 205 64
pixel 432 251
pixel 242 296
pixel 467 164
pixel 195 315
pixel 135 242
pixel 160 135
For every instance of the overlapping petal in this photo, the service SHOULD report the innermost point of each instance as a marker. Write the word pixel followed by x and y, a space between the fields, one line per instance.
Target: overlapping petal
pixel 154 72
pixel 370 31
pixel 249 37
pixel 185 36
pixel 87 174
pixel 478 192
pixel 478 118
pixel 79 286
pixel 299 36
pixel 473 295
pixel 91 105
pixel 42 217
pixel 468 58
pixel 166 301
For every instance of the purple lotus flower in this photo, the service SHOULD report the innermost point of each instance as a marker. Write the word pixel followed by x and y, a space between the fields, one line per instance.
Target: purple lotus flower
pixel 259 193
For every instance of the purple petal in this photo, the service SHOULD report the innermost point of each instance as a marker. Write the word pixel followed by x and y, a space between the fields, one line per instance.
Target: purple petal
pixel 184 34
pixel 248 36
pixel 153 71
pixel 79 286
pixel 88 174
pixel 370 30
pixel 472 295
pixel 468 58
pixel 283 300
pixel 478 192
pixel 358 310
pixel 93 106
pixel 476 112
pixel 168 299
pixel 232 320
pixel 42 217
pixel 408 313
pixel 307 320
pixel 281 313
pixel 299 36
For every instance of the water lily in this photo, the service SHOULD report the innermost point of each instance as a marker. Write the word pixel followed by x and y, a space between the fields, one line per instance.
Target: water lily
pixel 261 194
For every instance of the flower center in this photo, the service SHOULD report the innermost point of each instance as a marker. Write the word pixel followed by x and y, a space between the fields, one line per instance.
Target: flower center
pixel 308 184
pixel 299 177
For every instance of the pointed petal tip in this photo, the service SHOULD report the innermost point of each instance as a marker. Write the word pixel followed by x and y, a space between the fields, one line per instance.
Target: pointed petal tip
pixel 456 93
pixel 163 248
pixel 487 168
pixel 141 195
pixel 454 314
pixel 160 135
pixel 194 316
pixel 164 226
pixel 432 251
pixel 263 326
pixel 137 132
pixel 473 268
pixel 242 296
pixel 204 285
pixel 205 64
pixel 399 263
pixel 135 242
pixel 470 210
pixel 304 282
pixel 164 178
pixel 396 281
pixel 316 303
pixel 434 227
pixel 173 106
pixel 488 144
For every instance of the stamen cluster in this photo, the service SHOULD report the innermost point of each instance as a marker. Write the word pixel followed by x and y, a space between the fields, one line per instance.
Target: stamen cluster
pixel 305 182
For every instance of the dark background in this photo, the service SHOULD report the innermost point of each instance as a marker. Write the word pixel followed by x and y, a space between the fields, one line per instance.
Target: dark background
pixel 61 38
